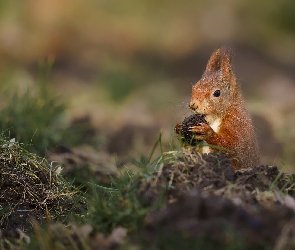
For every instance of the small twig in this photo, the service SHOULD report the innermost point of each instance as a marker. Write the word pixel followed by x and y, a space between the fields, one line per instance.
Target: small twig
pixel 50 172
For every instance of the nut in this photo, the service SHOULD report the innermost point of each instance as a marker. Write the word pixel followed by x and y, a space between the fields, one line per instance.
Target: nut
pixel 184 128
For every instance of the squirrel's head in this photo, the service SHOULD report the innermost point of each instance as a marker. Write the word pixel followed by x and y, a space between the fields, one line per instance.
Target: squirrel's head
pixel 216 91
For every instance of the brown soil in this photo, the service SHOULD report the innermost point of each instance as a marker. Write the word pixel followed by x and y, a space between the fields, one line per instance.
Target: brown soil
pixel 207 200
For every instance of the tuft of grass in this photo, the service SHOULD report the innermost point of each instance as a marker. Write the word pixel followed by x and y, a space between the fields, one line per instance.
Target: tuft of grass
pixel 29 185
pixel 55 236
pixel 37 117
pixel 121 204
pixel 34 117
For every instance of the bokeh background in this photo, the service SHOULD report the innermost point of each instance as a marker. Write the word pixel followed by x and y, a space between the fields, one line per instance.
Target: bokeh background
pixel 126 67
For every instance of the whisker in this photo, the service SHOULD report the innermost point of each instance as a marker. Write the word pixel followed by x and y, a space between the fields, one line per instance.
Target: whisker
pixel 179 112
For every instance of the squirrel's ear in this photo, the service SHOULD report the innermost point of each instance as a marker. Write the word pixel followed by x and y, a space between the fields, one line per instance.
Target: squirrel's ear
pixel 220 60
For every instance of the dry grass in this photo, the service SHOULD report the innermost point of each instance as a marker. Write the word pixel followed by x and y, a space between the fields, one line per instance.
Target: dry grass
pixel 31 188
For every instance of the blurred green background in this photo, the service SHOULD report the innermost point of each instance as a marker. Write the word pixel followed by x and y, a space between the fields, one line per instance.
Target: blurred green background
pixel 127 67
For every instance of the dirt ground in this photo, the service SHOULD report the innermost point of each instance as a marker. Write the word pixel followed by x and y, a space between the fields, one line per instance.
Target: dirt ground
pixel 208 200
pixel 205 201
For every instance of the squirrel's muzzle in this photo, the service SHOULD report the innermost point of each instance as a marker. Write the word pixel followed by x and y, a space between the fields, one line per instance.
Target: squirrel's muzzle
pixel 193 105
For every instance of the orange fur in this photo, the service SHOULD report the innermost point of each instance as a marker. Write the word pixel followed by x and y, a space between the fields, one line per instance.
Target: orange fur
pixel 226 114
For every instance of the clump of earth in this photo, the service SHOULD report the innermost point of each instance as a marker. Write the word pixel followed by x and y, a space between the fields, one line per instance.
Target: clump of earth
pixel 207 201
pixel 31 190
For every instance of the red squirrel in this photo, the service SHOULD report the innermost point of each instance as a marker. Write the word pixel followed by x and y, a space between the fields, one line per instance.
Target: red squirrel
pixel 218 97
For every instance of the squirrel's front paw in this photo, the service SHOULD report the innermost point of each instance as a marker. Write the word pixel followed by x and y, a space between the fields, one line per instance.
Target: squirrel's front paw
pixel 177 128
pixel 202 131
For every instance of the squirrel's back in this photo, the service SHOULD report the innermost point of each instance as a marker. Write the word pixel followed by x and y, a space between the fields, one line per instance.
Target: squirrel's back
pixel 242 139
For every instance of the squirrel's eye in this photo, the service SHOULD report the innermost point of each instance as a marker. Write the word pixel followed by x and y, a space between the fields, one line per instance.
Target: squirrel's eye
pixel 216 93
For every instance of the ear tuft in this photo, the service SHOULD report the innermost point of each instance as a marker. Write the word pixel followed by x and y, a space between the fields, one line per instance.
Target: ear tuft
pixel 221 60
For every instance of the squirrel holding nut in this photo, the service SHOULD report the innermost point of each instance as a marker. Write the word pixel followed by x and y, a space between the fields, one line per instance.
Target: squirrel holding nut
pixel 228 126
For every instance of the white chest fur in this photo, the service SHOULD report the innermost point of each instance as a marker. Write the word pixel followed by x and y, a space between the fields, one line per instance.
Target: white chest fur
pixel 215 124
pixel 206 150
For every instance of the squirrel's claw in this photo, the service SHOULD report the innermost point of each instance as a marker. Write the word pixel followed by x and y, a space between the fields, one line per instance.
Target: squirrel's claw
pixel 177 128
pixel 202 131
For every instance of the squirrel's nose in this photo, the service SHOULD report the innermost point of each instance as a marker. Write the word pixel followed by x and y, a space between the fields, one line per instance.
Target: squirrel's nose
pixel 193 105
